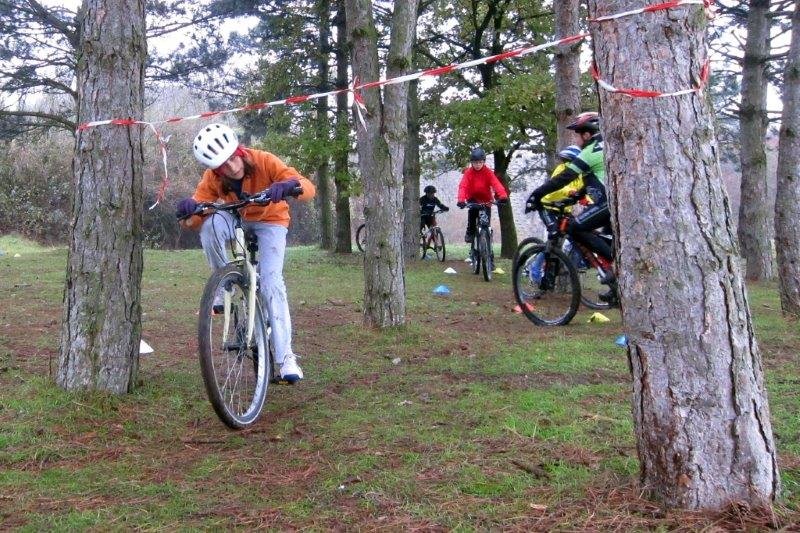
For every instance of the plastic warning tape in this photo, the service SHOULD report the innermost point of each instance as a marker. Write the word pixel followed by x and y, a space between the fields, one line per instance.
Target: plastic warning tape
pixel 356 88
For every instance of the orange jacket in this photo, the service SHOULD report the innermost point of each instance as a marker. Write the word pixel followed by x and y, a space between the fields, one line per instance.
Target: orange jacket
pixel 268 169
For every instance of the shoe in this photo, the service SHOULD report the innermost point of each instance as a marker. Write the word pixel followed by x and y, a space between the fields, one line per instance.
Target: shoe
pixel 290 370
pixel 468 237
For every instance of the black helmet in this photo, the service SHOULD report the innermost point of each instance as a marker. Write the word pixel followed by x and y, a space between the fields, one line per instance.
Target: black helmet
pixel 430 189
pixel 477 154
pixel 588 121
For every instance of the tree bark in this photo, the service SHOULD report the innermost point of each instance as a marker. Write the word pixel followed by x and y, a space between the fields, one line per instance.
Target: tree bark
pixel 101 324
pixel 411 173
pixel 341 170
pixel 700 409
pixel 381 146
pixel 787 214
pixel 322 108
pixel 508 229
pixel 567 71
pixel 757 208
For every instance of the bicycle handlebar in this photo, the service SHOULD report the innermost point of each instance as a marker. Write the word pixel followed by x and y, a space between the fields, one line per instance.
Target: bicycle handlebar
pixel 259 198
pixel 472 205
pixel 561 204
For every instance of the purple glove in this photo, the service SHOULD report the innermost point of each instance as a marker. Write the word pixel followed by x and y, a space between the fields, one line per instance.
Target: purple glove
pixel 185 207
pixel 281 189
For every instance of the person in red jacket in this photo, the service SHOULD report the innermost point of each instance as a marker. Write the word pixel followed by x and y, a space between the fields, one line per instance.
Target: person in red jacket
pixel 479 184
pixel 233 172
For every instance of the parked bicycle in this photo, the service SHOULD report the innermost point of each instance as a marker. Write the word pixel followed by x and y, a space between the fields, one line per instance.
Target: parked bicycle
pixel 550 284
pixel 237 359
pixel 480 250
pixel 432 238
pixel 361 237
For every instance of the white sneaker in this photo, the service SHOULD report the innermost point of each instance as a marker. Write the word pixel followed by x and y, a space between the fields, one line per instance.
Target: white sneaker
pixel 290 370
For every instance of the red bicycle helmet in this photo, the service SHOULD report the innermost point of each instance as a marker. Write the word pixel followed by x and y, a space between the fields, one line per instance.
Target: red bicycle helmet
pixel 588 121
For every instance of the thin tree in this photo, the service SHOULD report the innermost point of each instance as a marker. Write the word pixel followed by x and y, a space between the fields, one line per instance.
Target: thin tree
pixel 381 147
pixel 341 166
pixel 411 173
pixel 567 70
pixel 787 215
pixel 700 409
pixel 323 12
pixel 757 208
pixel 102 312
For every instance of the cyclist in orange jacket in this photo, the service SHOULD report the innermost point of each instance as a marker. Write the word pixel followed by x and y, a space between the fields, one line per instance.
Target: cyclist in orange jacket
pixel 479 184
pixel 233 172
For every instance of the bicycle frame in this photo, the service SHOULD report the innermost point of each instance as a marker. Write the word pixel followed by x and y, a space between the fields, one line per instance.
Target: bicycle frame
pixel 557 233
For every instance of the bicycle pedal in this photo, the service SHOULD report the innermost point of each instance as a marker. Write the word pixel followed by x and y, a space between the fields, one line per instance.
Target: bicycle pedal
pixel 281 381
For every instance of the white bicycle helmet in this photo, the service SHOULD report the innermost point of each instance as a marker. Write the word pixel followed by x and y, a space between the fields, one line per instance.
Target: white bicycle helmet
pixel 214 145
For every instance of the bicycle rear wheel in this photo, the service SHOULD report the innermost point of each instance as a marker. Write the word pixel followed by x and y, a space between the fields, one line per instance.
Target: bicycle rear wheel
pixel 361 237
pixel 546 286
pixel 236 373
pixel 591 289
pixel 485 254
pixel 530 241
pixel 438 244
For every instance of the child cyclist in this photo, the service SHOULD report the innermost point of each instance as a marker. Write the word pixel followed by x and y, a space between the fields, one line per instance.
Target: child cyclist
pixel 428 203
pixel 233 172
pixel 479 184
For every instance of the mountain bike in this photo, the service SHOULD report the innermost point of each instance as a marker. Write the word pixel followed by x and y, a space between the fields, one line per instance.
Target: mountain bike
pixel 433 238
pixel 547 281
pixel 480 250
pixel 590 285
pixel 237 358
pixel 361 238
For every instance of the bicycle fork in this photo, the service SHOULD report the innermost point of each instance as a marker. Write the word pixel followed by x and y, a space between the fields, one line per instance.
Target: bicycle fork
pixel 239 254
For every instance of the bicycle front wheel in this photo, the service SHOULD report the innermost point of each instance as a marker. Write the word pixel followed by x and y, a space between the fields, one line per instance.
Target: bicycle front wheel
pixel 361 238
pixel 438 245
pixel 485 254
pixel 236 372
pixel 546 286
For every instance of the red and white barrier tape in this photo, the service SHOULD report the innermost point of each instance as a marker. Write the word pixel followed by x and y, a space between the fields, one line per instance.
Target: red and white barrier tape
pixel 700 84
pixel 663 6
pixel 355 88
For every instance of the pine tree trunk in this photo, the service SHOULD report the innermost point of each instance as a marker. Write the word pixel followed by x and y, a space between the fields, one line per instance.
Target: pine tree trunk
pixel 102 315
pixel 700 408
pixel 411 172
pixel 508 229
pixel 323 124
pixel 381 146
pixel 567 70
pixel 341 170
pixel 757 208
pixel 787 213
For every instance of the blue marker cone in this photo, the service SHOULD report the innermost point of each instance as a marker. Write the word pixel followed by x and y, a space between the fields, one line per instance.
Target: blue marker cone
pixel 442 290
pixel 622 341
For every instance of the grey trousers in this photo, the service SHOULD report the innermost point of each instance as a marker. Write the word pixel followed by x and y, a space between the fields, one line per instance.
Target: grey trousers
pixel 215 233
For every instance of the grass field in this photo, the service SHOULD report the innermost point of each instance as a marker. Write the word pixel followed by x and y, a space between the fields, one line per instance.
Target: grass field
pixel 486 421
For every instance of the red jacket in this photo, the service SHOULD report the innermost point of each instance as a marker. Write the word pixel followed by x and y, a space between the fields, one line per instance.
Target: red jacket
pixel 477 185
pixel 267 169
